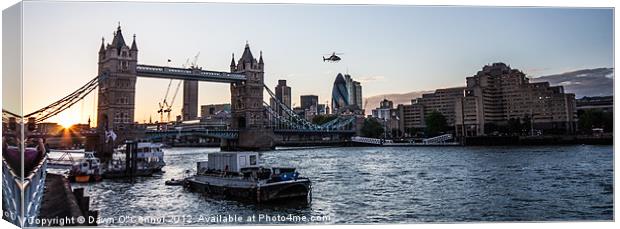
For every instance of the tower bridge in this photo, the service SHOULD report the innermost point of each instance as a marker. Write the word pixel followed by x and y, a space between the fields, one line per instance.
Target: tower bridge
pixel 254 124
pixel 196 74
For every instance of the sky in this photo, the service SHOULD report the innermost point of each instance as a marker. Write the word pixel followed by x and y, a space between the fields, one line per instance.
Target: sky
pixel 389 49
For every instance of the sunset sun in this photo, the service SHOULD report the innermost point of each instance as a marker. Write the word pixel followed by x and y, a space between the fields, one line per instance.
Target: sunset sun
pixel 67 119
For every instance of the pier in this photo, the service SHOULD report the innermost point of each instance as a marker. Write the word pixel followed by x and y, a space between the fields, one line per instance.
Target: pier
pixel 441 140
pixel 61 202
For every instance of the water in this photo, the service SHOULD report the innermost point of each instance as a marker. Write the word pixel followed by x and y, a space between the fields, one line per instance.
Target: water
pixel 389 185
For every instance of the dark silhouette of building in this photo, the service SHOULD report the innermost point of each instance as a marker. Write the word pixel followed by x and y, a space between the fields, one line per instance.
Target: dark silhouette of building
pixel 190 100
pixel 283 93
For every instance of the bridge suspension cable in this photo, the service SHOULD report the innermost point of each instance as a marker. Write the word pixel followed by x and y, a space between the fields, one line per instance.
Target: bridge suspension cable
pixel 66 102
pixel 294 121
pixel 301 121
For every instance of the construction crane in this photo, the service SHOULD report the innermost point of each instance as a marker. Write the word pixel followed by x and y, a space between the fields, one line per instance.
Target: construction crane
pixel 194 63
pixel 164 106
pixel 169 106
pixel 164 103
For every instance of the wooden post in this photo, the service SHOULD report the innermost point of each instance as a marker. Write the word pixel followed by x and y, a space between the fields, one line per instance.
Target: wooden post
pixel 131 153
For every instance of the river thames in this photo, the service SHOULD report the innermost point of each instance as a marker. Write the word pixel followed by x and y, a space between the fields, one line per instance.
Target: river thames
pixel 386 185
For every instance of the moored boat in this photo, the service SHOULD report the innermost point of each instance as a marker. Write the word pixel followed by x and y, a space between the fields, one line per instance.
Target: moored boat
pixel 174 182
pixel 86 170
pixel 237 175
pixel 149 159
pixel 177 181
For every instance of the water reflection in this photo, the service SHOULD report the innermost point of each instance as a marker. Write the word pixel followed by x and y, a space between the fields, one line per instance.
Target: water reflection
pixel 396 185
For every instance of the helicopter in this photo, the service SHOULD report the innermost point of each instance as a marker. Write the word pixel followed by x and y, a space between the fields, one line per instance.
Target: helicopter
pixel 333 58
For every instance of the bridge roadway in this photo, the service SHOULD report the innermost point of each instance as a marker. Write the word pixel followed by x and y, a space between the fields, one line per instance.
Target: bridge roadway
pixel 234 134
pixel 224 134
pixel 197 74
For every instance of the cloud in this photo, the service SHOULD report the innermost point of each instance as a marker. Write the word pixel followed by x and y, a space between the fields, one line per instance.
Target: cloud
pixel 610 75
pixel 584 82
pixel 372 102
pixel 535 70
pixel 566 83
pixel 366 79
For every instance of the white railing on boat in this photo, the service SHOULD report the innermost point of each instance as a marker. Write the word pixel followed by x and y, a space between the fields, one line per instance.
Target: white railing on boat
pixel 65 160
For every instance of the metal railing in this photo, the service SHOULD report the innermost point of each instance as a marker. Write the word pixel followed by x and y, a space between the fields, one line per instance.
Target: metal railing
pixel 224 134
pixel 374 141
pixel 199 73
pixel 32 187
pixel 438 139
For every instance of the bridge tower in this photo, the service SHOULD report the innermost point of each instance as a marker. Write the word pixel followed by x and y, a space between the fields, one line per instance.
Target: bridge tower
pixel 117 89
pixel 247 111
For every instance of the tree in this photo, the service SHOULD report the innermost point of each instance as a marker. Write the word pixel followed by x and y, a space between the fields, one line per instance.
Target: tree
pixel 435 123
pixel 592 118
pixel 372 128
pixel 396 133
pixel 322 119
pixel 527 124
pixel 514 126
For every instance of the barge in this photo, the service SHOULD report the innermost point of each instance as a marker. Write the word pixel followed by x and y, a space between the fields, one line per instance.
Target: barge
pixel 238 176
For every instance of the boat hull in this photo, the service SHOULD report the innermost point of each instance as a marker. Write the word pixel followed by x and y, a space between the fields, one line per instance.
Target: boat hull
pixel 248 191
pixel 82 178
pixel 85 178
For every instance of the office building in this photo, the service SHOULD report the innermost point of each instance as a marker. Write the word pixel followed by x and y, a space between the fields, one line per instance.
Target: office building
pixel 282 93
pixel 346 95
pixel 493 100
pixel 498 97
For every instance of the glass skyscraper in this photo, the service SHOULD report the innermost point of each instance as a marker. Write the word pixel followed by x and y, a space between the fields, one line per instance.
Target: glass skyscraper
pixel 347 93
pixel 340 94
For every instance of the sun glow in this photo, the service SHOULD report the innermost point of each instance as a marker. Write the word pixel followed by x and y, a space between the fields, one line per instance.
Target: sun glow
pixel 67 119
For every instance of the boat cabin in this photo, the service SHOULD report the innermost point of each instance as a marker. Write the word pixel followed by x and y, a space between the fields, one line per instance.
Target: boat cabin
pixel 145 150
pixel 228 162
pixel 150 152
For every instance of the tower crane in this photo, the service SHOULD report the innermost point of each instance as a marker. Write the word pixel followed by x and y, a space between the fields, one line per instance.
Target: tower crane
pixel 195 61
pixel 164 103
pixel 164 106
pixel 169 106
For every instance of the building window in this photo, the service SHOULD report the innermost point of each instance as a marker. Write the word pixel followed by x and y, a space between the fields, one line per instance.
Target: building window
pixel 121 117
pixel 122 100
pixel 124 66
pixel 118 117
pixel 122 83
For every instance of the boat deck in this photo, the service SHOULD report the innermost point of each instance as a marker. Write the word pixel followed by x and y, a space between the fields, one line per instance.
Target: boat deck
pixel 233 182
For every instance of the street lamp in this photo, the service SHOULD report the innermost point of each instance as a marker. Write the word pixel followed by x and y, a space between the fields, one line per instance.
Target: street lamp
pixel 532 116
pixel 385 129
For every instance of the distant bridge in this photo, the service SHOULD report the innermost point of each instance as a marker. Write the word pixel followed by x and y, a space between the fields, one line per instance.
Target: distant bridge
pixel 197 74
pixel 222 134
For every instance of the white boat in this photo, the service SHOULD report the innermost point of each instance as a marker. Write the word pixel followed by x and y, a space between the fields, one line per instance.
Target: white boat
pixel 86 170
pixel 149 160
